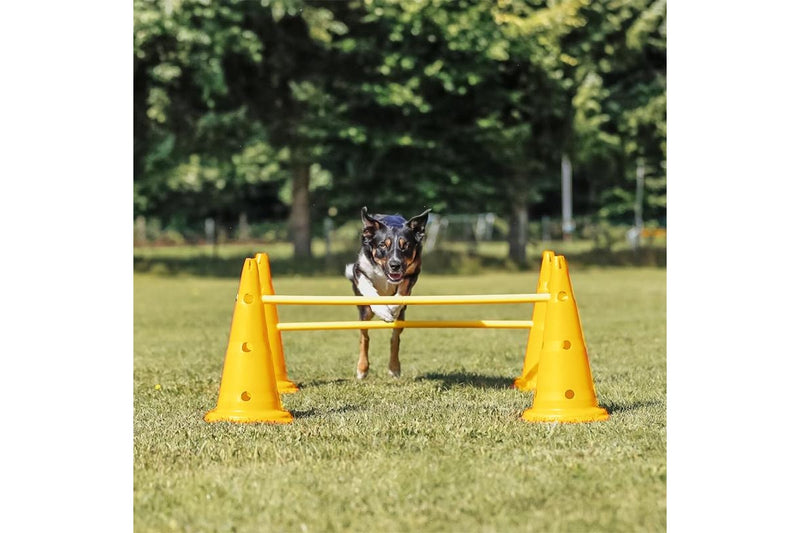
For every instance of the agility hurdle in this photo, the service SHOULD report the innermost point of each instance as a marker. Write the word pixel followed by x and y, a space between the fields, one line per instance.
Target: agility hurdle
pixel 555 368
pixel 406 300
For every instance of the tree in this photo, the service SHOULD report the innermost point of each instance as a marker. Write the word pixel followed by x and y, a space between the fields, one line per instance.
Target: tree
pixel 527 113
pixel 620 105
pixel 400 104
pixel 406 110
pixel 185 134
pixel 226 103
pixel 455 104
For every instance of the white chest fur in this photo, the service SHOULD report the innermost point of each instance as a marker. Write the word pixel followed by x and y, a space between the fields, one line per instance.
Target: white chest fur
pixel 375 283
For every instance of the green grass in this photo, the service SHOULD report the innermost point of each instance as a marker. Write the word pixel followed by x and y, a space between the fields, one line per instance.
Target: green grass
pixel 440 449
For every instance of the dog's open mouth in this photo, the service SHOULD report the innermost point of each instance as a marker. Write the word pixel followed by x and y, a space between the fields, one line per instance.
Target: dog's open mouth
pixel 394 276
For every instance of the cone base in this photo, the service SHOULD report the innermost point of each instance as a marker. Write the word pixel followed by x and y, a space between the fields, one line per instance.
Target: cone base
pixel 524 385
pixel 587 414
pixel 287 387
pixel 272 416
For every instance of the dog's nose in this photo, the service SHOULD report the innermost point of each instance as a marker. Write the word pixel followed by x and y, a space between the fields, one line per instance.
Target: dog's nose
pixel 395 265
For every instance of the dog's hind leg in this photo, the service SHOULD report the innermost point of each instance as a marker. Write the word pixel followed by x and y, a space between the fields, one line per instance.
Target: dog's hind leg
pixel 365 313
pixel 394 348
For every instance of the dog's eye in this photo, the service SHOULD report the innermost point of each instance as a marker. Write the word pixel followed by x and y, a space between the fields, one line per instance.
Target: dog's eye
pixel 404 245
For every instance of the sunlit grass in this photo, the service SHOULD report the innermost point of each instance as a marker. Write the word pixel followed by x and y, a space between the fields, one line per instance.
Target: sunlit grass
pixel 440 449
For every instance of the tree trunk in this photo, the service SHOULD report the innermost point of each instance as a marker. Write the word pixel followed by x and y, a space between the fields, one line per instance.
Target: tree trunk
pixel 518 230
pixel 300 215
pixel 518 223
pixel 567 224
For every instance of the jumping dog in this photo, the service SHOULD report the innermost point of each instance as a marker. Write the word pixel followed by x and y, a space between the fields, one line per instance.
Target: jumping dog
pixel 388 263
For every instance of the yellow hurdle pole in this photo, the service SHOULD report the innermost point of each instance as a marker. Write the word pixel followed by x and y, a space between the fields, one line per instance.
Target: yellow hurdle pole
pixel 358 324
pixel 285 385
pixel 406 300
pixel 526 381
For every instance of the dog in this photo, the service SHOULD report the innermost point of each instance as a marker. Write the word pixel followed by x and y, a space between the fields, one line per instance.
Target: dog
pixel 388 264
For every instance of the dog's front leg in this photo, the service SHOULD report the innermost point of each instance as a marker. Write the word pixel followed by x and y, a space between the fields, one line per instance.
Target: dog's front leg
pixel 365 313
pixel 389 312
pixel 394 348
pixel 363 355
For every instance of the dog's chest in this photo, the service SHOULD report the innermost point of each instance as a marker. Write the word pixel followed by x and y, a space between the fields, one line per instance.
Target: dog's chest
pixel 383 286
pixel 377 278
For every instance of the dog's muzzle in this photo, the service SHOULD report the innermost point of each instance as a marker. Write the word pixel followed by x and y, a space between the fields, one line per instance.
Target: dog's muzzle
pixel 395 272
pixel 395 277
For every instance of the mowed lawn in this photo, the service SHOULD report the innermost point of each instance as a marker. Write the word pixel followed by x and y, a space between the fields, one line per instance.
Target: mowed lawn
pixel 440 449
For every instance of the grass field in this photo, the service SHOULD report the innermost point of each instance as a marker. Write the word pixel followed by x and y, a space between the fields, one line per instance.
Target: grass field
pixel 440 449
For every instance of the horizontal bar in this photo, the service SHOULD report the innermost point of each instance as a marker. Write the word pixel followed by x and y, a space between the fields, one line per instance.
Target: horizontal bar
pixel 406 300
pixel 358 324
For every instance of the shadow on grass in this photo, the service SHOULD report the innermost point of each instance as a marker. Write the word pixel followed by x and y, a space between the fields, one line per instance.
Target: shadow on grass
pixel 480 381
pixel 322 382
pixel 436 262
pixel 231 267
pixel 320 413
pixel 622 407
pixel 467 379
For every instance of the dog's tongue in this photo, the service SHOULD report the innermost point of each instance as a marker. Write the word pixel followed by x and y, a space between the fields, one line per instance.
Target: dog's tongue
pixel 395 276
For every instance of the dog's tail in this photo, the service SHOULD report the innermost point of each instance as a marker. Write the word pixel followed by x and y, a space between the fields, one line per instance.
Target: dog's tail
pixel 348 271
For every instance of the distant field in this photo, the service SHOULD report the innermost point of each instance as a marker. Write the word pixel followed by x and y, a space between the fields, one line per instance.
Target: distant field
pixel 440 449
pixel 225 260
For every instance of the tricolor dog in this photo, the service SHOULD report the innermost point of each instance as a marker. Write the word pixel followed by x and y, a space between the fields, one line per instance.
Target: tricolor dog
pixel 388 263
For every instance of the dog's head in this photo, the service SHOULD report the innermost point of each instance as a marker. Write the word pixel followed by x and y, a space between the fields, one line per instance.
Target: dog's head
pixel 394 243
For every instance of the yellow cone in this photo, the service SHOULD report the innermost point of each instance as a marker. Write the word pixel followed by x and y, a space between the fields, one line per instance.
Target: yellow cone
pixel 285 385
pixel 248 391
pixel 530 368
pixel 564 389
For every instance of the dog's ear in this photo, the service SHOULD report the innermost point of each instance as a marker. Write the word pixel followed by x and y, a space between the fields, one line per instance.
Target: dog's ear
pixel 417 224
pixel 365 218
pixel 370 226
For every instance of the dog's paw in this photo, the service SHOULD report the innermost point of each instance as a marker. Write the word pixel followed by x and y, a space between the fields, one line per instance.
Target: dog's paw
pixel 361 375
pixel 394 373
pixel 387 313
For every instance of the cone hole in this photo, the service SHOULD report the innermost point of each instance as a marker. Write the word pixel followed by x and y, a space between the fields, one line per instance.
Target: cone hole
pixel 248 298
pixel 246 396
pixel 246 347
pixel 562 296
pixel 569 394
pixel 566 345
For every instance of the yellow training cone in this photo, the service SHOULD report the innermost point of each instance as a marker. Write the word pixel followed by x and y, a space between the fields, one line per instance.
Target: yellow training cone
pixel 248 392
pixel 285 385
pixel 564 389
pixel 530 368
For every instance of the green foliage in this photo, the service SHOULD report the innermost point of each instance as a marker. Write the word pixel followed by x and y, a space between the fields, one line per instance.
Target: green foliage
pixel 592 124
pixel 456 105
pixel 225 105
